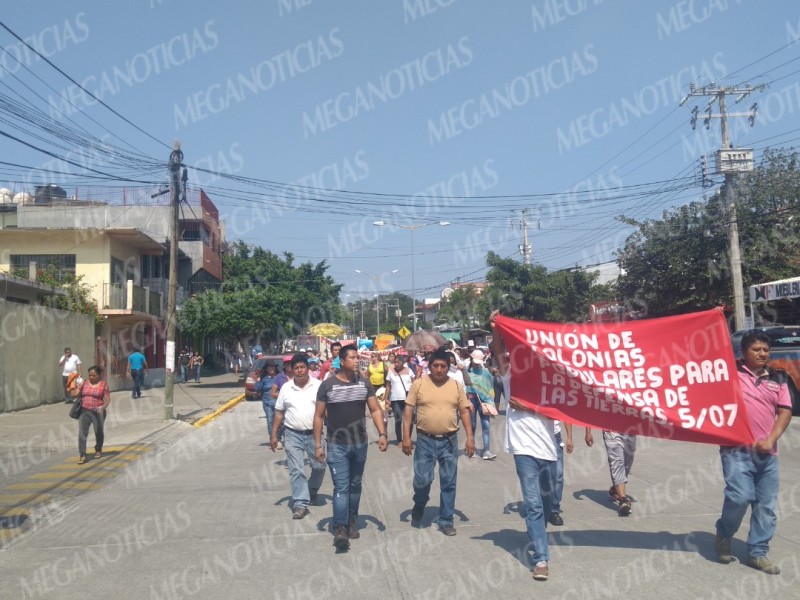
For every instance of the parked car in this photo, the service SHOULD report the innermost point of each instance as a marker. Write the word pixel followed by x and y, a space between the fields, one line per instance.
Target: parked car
pixel 784 354
pixel 255 373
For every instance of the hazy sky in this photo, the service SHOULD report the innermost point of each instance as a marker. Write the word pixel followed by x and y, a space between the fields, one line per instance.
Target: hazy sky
pixel 566 108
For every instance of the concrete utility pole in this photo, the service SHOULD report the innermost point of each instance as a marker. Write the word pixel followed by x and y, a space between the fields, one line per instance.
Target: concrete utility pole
pixel 175 163
pixel 525 247
pixel 729 162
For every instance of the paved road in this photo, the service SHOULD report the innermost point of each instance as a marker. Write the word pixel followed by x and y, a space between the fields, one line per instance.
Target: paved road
pixel 206 516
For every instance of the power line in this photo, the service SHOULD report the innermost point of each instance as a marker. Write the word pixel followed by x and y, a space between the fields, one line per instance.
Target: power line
pixel 49 62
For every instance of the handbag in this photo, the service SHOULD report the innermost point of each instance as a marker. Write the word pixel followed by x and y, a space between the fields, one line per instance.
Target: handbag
pixel 488 408
pixel 76 409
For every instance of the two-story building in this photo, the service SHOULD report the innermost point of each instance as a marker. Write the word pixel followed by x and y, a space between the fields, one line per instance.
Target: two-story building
pixel 117 240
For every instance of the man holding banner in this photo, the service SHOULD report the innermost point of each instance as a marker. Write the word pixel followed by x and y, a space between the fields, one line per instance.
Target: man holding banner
pixel 673 378
pixel 751 472
pixel 531 439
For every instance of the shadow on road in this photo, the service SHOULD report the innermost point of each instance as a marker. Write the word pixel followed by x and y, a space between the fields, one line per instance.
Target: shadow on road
pixel 516 542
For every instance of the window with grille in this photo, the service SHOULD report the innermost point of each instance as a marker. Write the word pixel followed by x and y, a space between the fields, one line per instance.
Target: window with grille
pixel 62 263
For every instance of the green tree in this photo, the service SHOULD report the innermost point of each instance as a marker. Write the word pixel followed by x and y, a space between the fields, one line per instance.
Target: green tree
pixel 681 263
pixel 676 264
pixel 78 297
pixel 462 309
pixel 530 292
pixel 264 297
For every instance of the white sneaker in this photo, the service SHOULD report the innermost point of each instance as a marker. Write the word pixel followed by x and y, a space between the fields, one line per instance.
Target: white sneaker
pixel 489 456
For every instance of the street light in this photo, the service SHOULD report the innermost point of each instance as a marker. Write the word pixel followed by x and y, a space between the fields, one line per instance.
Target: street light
pixel 411 228
pixel 377 296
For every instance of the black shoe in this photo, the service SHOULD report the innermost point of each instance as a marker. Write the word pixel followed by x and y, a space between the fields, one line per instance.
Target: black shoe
pixel 352 531
pixel 341 538
pixel 313 499
pixel 722 546
pixel 416 515
pixel 555 519
pixel 448 530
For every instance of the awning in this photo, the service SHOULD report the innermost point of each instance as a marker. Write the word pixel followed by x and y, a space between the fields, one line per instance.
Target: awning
pixel 451 335
pixel 775 290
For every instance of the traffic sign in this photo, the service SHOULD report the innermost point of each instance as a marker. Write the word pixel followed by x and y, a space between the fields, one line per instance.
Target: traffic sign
pixel 403 332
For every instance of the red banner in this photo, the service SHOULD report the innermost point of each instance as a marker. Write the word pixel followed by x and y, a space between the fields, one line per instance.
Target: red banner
pixel 672 378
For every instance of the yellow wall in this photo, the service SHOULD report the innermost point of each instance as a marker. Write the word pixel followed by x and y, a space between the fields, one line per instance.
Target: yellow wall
pixel 92 251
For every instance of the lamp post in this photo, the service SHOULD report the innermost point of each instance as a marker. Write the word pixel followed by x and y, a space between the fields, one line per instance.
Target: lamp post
pixel 377 316
pixel 411 229
pixel 376 278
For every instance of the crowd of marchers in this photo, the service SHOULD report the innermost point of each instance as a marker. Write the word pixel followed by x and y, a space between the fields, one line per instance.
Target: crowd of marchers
pixel 317 410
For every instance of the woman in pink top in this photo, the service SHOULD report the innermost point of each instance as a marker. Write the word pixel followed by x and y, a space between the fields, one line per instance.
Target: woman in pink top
pixel 94 397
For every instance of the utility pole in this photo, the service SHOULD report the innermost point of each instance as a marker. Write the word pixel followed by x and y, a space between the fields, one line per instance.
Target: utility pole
pixel 525 247
pixel 729 162
pixel 175 163
pixel 377 316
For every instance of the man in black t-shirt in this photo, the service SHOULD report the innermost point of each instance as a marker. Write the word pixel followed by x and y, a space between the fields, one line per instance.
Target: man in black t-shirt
pixel 341 400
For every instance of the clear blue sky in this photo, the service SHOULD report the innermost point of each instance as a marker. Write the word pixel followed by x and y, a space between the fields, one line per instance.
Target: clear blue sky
pixel 428 103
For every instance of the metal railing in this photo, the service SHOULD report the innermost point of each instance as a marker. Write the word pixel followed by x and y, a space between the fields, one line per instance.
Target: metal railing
pixel 127 296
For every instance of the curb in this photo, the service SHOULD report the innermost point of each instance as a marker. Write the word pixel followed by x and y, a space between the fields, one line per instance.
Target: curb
pixel 225 407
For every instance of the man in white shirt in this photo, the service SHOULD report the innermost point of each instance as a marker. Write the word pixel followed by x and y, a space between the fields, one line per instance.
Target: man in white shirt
pixel 531 438
pixel 295 409
pixel 69 363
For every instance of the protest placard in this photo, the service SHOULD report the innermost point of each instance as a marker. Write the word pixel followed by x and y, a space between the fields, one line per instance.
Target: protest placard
pixel 673 377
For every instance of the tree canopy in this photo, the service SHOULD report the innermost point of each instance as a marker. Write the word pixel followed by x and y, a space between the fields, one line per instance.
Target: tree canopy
pixel 681 263
pixel 264 297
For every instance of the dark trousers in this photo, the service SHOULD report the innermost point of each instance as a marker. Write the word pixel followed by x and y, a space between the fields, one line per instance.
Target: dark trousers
pixel 137 375
pixel 97 421
pixel 398 414
pixel 66 393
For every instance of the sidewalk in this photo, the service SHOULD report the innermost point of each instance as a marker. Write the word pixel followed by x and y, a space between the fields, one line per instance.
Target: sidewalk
pixel 38 446
pixel 129 420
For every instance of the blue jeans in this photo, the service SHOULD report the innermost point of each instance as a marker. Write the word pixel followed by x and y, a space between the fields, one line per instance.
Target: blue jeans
pixel 559 477
pixel 751 479
pixel 183 372
pixel 427 453
pixel 485 425
pixel 197 373
pixel 269 412
pixel 536 481
pixel 346 462
pixel 297 446
pixel 137 375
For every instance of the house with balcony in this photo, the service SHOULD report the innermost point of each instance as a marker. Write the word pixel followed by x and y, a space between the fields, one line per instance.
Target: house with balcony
pixel 118 240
